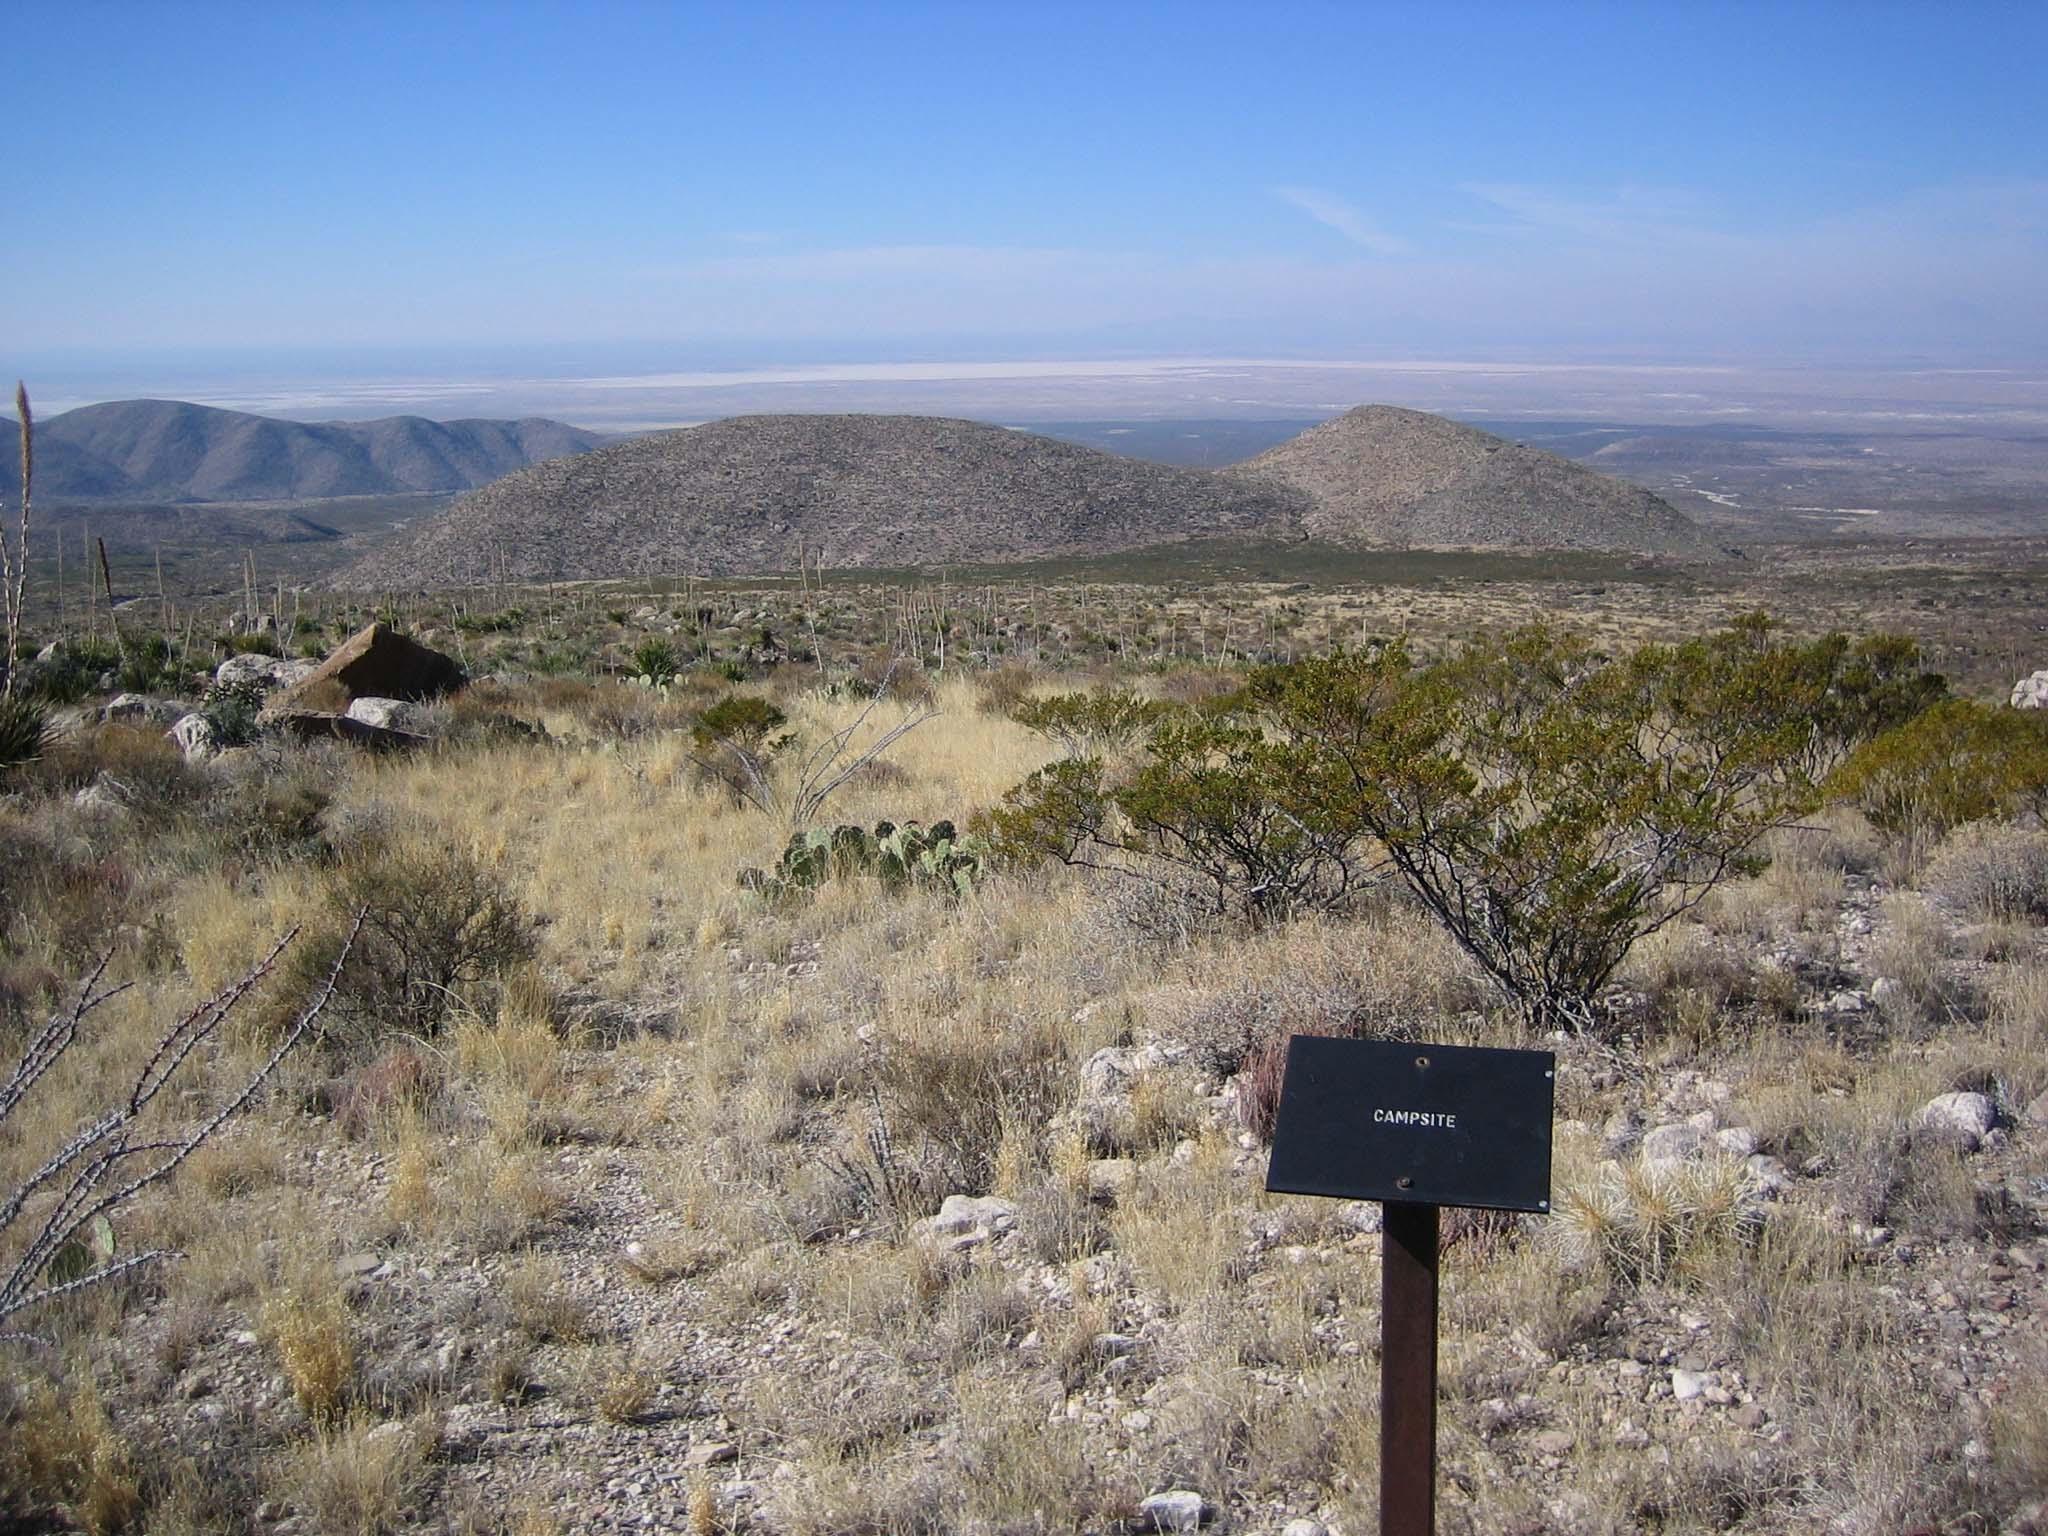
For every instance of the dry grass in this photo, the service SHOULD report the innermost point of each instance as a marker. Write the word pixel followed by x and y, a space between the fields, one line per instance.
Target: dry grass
pixel 730 1113
pixel 359 1477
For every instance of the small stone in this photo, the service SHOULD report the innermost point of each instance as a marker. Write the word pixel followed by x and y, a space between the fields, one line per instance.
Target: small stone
pixel 712 1453
pixel 1137 1421
pixel 1687 1385
pixel 1113 1346
pixel 1964 1117
pixel 1736 1141
pixel 1750 1416
pixel 1304 1528
pixel 1361 1215
pixel 357 1266
pixel 2036 1112
pixel 199 1384
pixel 1670 1145
pixel 1109 1178
pixel 1552 1442
pixel 1180 1509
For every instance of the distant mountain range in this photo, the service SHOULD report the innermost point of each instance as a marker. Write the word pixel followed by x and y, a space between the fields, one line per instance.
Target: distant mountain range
pixel 739 496
pixel 170 451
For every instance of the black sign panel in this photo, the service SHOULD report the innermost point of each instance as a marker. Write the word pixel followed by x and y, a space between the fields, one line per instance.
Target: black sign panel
pixel 1427 1124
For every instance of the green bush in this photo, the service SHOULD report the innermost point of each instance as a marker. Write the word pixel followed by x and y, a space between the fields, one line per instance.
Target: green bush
pixel 1547 805
pixel 231 709
pixel 72 672
pixel 655 659
pixel 1091 724
pixel 1955 763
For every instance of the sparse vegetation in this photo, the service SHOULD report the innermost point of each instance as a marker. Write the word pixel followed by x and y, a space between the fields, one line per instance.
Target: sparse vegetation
pixel 605 1160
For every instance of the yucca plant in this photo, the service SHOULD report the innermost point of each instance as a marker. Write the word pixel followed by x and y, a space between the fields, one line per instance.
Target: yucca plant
pixel 24 727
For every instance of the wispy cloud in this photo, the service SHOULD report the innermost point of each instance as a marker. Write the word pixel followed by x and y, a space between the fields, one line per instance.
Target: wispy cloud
pixel 1344 217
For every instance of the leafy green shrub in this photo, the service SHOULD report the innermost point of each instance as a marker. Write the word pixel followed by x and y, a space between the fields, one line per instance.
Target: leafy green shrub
pixel 1547 805
pixel 262 643
pixel 1091 724
pixel 151 664
pixel 1205 803
pixel 1957 762
pixel 72 672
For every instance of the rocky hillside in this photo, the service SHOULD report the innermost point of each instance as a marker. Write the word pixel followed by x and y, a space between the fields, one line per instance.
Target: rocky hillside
pixel 1383 475
pixel 169 451
pixel 736 496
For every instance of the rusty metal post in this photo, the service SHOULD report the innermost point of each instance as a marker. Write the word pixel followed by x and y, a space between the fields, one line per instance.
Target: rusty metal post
pixel 1408 1265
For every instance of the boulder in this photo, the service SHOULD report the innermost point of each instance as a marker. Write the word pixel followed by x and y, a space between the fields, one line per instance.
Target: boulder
pixel 964 1221
pixel 1180 1509
pixel 2031 692
pixel 1963 1117
pixel 380 663
pixel 194 735
pixel 386 714
pixel 319 725
pixel 266 672
pixel 125 706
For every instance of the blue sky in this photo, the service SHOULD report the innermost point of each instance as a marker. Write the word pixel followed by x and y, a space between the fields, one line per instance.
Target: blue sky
pixel 1772 181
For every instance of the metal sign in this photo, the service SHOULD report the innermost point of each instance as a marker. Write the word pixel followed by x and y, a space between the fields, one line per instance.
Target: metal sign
pixel 1420 1124
pixel 1416 1127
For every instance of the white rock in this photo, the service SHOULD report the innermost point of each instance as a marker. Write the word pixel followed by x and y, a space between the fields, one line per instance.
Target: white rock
pixel 1966 1116
pixel 1669 1145
pixel 1736 1141
pixel 194 736
pixel 1771 1176
pixel 125 706
pixel 388 714
pixel 2031 692
pixel 1687 1385
pixel 1885 991
pixel 1179 1509
pixel 1304 1528
pixel 966 1220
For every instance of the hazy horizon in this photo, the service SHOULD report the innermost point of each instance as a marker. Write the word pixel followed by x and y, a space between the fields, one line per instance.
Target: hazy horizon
pixel 638 189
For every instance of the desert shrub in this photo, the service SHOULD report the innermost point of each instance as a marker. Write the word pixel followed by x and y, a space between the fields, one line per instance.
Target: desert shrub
pixel 951 1096
pixel 231 709
pixel 72 672
pixel 1992 871
pixel 655 659
pixel 1086 725
pixel 1206 807
pixel 262 643
pixel 1001 689
pixel 151 664
pixel 439 928
pixel 1956 763
pixel 1547 805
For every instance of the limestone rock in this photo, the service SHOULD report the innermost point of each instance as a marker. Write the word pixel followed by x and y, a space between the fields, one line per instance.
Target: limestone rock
pixel 194 735
pixel 1109 1178
pixel 380 663
pixel 2031 692
pixel 386 714
pixel 1179 1509
pixel 1685 1141
pixel 1965 1117
pixel 125 706
pixel 965 1220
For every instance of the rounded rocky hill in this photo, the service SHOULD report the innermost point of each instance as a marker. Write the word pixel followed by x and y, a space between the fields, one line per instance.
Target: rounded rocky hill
pixel 1386 476
pixel 737 496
